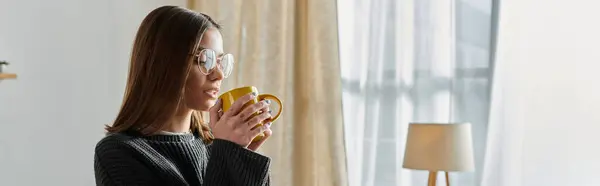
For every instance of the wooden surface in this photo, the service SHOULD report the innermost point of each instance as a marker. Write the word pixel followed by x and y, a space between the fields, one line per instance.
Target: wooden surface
pixel 7 76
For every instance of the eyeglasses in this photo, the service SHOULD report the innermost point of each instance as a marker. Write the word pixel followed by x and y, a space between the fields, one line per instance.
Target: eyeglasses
pixel 207 61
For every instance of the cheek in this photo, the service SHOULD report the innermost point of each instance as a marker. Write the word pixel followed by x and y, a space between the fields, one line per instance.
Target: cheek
pixel 194 96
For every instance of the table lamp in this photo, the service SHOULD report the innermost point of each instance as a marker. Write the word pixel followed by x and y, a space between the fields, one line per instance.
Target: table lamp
pixel 439 147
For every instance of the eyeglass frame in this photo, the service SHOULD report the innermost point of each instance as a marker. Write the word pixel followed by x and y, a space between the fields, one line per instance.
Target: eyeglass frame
pixel 219 65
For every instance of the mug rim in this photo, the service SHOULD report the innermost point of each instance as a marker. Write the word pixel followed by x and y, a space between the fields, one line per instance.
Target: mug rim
pixel 235 89
pixel 244 87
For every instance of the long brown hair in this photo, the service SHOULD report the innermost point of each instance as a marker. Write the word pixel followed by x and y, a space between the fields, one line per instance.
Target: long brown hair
pixel 160 65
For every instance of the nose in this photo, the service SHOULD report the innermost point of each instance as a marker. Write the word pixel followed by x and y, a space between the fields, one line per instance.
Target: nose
pixel 217 74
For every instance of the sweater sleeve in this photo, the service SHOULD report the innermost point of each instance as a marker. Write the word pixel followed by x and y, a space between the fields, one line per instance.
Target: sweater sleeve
pixel 231 164
pixel 115 165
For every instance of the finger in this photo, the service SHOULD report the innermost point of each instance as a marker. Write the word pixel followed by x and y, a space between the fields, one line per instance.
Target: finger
pixel 249 111
pixel 256 120
pixel 214 113
pixel 239 104
pixel 258 130
pixel 255 145
pixel 265 109
pixel 268 132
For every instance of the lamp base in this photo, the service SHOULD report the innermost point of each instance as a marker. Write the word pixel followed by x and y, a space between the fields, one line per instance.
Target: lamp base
pixel 432 181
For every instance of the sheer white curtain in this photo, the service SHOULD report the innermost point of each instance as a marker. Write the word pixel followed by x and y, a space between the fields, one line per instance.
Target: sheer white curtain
pixel 411 61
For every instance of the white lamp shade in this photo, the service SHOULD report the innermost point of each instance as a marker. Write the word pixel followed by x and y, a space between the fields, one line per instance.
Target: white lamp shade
pixel 439 147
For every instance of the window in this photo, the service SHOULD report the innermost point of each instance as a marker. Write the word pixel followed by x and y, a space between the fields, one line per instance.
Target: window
pixel 410 61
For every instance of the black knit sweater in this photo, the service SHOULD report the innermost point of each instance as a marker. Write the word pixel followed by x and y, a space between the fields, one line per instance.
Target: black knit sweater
pixel 129 160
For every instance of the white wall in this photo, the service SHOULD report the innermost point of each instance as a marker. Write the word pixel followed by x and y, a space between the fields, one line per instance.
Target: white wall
pixel 549 68
pixel 71 57
pixel 561 123
pixel 561 113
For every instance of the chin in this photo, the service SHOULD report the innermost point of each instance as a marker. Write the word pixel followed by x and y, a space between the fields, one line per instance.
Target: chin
pixel 206 105
pixel 200 103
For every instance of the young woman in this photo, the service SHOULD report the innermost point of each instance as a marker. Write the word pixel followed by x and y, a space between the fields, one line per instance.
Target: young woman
pixel 158 137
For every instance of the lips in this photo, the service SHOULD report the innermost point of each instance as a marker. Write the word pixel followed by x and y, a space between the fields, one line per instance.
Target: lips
pixel 212 92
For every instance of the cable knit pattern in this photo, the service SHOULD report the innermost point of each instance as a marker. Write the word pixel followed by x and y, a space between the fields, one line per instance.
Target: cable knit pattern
pixel 130 160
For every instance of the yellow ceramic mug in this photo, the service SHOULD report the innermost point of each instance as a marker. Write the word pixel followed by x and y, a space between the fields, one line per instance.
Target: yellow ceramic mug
pixel 230 96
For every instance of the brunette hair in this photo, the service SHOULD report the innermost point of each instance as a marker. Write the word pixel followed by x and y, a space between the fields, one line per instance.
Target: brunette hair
pixel 160 64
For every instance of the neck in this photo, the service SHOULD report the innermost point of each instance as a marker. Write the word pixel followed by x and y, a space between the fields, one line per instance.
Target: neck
pixel 180 122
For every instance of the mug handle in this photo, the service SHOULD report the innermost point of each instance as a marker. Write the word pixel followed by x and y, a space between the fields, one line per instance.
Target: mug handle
pixel 274 98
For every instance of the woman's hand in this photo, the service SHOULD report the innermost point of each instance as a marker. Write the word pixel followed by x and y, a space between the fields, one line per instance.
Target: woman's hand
pixel 237 124
pixel 256 144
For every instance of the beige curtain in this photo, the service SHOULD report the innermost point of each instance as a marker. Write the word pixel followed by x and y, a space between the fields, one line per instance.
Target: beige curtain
pixel 290 48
